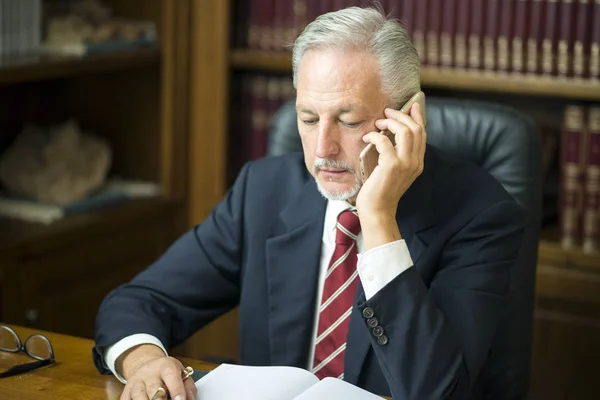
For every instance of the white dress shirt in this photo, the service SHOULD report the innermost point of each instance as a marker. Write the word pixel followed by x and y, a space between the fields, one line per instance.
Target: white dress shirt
pixel 376 268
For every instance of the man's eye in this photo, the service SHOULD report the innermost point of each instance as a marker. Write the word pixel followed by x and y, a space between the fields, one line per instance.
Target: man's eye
pixel 351 124
pixel 309 122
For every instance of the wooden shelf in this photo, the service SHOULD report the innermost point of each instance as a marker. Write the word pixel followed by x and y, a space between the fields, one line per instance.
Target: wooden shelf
pixel 26 69
pixel 17 235
pixel 448 78
pixel 552 253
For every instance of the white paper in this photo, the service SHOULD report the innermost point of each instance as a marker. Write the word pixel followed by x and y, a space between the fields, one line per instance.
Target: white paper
pixel 334 389
pixel 235 382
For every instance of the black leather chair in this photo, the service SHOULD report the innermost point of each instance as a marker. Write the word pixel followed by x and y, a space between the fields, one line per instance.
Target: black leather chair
pixel 507 144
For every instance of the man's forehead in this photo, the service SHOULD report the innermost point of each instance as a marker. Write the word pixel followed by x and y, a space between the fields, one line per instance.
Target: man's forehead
pixel 309 107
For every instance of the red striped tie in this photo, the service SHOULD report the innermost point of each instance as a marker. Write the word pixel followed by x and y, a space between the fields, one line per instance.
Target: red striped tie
pixel 339 290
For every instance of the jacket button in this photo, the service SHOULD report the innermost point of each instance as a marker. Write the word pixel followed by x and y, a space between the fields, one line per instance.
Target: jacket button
pixel 378 331
pixel 382 340
pixel 368 312
pixel 372 322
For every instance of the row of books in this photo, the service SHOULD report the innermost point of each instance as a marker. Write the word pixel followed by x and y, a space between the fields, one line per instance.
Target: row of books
pixel 20 27
pixel 540 37
pixel 256 99
pixel 580 178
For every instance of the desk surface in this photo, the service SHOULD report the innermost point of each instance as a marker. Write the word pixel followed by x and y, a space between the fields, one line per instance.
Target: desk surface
pixel 72 377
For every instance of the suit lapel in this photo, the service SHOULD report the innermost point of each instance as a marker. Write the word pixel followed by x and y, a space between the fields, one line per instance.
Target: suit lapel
pixel 293 257
pixel 413 215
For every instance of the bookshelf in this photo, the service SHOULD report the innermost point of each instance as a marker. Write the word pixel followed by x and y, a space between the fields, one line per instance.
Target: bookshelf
pixel 29 69
pixel 446 78
pixel 136 99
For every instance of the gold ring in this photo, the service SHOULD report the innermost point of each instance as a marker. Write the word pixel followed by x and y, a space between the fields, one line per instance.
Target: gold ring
pixel 160 394
pixel 187 372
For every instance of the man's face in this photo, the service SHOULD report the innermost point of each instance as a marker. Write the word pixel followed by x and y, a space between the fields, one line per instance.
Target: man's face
pixel 338 101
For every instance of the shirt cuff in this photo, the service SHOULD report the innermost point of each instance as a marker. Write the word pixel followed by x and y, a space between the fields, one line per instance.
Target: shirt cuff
pixel 379 266
pixel 113 352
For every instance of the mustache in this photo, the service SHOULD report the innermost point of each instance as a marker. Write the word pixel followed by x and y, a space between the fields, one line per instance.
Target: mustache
pixel 323 162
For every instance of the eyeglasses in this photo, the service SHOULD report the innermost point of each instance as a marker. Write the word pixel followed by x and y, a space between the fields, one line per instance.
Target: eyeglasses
pixel 36 346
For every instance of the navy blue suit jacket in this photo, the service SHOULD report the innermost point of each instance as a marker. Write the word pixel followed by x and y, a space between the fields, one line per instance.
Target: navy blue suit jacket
pixel 260 249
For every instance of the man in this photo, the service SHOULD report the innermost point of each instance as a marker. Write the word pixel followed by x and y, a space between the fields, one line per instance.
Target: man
pixel 395 285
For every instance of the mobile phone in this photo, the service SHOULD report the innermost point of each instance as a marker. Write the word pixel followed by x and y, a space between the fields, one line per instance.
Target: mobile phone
pixel 369 156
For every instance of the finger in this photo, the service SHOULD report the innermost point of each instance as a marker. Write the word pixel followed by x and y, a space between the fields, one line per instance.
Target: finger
pixel 403 134
pixel 171 376
pixel 138 391
pixel 152 386
pixel 190 388
pixel 403 118
pixel 417 115
pixel 382 143
pixel 126 395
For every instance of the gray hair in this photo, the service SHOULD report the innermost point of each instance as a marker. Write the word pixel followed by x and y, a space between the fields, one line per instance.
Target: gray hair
pixel 366 28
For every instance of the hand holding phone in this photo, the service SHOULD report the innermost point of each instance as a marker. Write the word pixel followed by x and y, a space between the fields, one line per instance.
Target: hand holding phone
pixel 369 156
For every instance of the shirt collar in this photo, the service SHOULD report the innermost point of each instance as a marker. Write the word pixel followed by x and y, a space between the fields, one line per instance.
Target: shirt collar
pixel 334 208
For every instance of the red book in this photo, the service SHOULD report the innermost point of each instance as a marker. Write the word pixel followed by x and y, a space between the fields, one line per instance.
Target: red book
pixel 254 29
pixel 266 25
pixel 535 36
pixel 572 161
pixel 420 28
pixel 461 35
pixel 519 37
pixel 506 33
pixel 595 43
pixel 549 43
pixel 300 16
pixel 566 37
pixel 491 35
pixel 591 207
pixel 581 46
pixel 258 139
pixel 476 34
pixel 407 16
pixel 448 31
pixel 433 31
pixel 279 27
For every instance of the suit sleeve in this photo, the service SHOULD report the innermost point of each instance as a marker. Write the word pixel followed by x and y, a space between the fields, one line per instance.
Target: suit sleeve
pixel 432 342
pixel 196 280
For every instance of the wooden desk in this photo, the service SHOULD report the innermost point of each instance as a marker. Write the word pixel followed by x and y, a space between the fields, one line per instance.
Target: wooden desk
pixel 73 376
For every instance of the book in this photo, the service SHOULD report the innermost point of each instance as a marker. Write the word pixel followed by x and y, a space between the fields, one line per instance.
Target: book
pixel 234 382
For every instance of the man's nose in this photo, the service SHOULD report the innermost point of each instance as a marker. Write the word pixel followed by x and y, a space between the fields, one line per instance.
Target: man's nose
pixel 327 140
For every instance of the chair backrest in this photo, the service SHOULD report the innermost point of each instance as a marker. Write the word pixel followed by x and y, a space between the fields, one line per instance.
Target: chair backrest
pixel 507 144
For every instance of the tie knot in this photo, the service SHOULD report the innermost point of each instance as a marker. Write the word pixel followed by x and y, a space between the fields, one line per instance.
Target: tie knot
pixel 348 227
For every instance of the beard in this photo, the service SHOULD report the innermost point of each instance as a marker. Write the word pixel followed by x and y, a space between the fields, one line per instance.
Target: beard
pixel 336 195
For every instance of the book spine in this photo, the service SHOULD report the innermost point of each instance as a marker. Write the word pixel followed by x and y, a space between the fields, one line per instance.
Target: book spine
pixel 519 37
pixel 301 16
pixel 505 37
pixel 595 43
pixel 407 17
pixel 267 18
pixel 253 24
pixel 491 35
pixel 420 29
pixel 461 35
pixel 290 32
pixel 278 25
pixel 259 117
pixel 433 32
pixel 571 160
pixel 581 45
pixel 476 34
pixel 565 40
pixel 549 41
pixel 534 38
pixel 447 50
pixel 591 217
